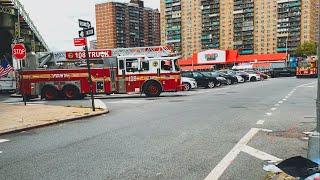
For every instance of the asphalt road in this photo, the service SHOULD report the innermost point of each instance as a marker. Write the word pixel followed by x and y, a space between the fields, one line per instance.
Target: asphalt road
pixel 183 135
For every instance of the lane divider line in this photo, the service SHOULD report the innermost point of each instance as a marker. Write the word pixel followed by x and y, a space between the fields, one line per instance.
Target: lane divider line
pixel 3 140
pixel 280 102
pixel 260 122
pixel 260 154
pixel 216 173
pixel 269 114
pixel 273 109
pixel 277 105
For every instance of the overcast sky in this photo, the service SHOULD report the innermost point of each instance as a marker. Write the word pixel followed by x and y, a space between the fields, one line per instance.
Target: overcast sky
pixel 57 22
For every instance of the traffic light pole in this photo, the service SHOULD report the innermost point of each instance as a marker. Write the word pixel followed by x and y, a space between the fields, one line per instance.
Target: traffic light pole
pixel 89 76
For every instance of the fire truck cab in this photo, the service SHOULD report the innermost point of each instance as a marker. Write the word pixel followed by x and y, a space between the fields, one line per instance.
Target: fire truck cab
pixel 68 78
pixel 307 68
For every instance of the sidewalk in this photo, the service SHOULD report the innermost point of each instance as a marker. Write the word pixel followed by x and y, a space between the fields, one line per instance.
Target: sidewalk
pixel 19 117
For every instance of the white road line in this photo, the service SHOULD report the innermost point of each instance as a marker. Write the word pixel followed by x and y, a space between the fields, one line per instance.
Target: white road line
pixel 280 102
pixel 284 99
pixel 273 109
pixel 3 140
pixel 269 114
pixel 266 130
pixel 260 155
pixel 0 152
pixel 260 122
pixel 100 104
pixel 277 105
pixel 227 160
pixel 287 97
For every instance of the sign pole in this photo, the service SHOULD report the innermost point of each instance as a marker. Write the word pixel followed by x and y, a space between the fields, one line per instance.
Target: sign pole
pixel 89 77
pixel 86 31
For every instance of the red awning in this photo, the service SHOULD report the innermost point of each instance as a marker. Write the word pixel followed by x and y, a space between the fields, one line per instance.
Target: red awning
pixel 262 57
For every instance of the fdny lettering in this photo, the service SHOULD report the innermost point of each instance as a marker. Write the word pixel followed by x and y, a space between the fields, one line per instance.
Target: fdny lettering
pixel 60 76
pixel 92 54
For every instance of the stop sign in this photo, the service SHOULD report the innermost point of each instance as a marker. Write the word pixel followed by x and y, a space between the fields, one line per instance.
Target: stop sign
pixel 19 51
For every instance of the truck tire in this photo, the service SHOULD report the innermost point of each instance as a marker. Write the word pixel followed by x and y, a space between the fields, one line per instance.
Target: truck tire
pixel 71 92
pixel 153 89
pixel 187 86
pixel 49 93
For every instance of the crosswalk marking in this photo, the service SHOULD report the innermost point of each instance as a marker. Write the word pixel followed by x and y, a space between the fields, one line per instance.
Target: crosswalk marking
pixel 3 140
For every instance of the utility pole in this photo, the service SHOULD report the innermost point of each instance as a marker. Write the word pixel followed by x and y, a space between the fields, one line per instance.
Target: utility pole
pixel 314 138
pixel 318 65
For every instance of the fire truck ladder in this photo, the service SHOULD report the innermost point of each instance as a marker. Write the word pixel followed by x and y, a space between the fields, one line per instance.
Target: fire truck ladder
pixel 152 51
pixel 28 20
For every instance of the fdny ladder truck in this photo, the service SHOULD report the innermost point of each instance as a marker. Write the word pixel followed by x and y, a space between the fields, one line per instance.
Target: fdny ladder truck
pixel 149 70
pixel 308 68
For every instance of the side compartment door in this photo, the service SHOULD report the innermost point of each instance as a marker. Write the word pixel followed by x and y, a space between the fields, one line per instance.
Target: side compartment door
pixel 122 76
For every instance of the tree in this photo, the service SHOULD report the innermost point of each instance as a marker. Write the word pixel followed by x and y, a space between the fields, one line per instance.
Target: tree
pixel 308 48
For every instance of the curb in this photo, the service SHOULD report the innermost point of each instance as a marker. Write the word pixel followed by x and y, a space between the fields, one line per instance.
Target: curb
pixel 15 130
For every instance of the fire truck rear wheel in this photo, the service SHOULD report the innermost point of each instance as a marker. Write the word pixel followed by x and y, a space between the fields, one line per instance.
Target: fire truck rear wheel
pixel 153 89
pixel 71 92
pixel 50 93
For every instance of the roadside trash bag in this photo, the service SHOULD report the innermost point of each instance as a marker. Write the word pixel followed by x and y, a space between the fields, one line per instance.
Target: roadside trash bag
pixel 299 167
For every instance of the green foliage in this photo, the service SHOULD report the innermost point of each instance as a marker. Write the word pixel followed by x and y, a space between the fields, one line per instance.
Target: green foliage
pixel 308 48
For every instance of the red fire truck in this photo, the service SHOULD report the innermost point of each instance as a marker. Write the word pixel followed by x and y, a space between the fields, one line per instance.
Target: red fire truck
pixel 65 75
pixel 307 68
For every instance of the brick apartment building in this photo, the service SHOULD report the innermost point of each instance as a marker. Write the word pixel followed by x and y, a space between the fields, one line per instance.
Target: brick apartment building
pixel 250 26
pixel 123 25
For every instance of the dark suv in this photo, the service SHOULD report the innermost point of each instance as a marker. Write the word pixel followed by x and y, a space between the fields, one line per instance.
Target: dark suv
pixel 202 79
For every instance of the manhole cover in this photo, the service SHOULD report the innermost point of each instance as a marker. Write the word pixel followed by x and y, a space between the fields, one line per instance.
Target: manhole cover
pixel 287 134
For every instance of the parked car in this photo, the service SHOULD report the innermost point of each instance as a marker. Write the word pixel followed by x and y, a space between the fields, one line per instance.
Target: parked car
pixel 282 72
pixel 253 76
pixel 262 75
pixel 201 79
pixel 221 79
pixel 189 83
pixel 229 79
pixel 244 75
pixel 240 79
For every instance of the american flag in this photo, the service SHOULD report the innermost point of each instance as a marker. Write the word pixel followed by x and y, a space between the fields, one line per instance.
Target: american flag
pixel 5 68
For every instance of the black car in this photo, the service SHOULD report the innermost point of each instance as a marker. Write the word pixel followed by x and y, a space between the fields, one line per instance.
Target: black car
pixel 216 75
pixel 231 79
pixel 202 79
pixel 244 75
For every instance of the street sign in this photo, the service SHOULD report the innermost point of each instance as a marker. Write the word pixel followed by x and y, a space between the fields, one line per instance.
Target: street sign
pixel 80 41
pixel 84 24
pixel 19 51
pixel 72 55
pixel 86 32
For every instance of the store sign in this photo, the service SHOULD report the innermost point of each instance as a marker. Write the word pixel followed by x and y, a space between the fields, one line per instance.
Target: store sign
pixel 212 56
pixel 92 54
